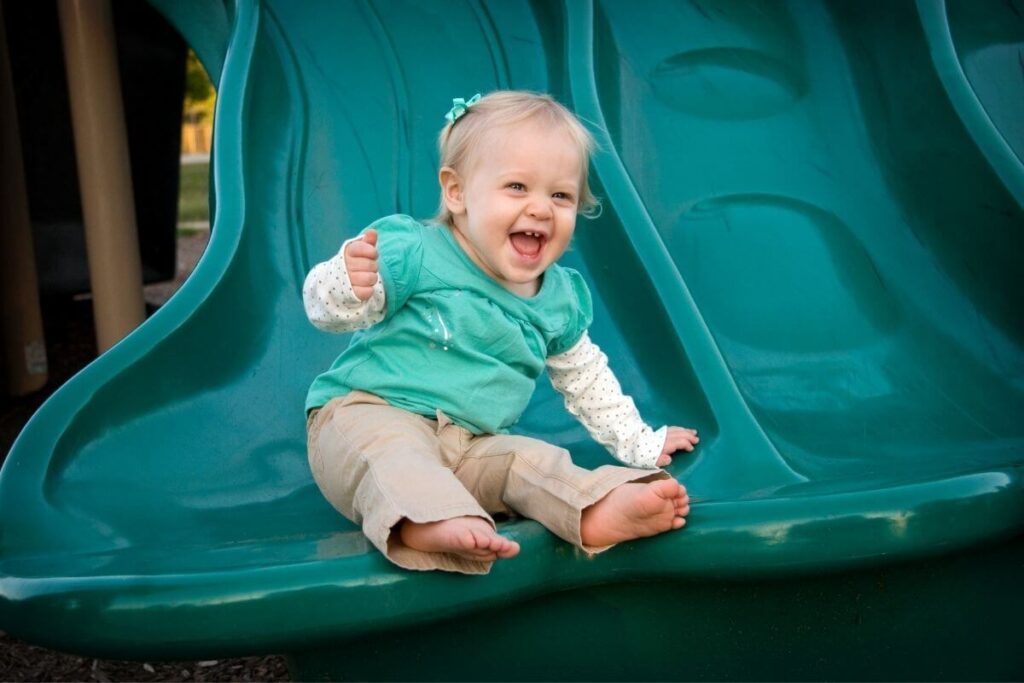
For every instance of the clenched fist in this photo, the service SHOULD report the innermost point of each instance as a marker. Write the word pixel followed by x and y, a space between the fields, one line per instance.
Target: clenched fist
pixel 361 262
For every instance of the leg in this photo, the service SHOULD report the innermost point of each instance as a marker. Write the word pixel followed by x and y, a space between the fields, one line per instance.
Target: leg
pixel 540 481
pixel 382 467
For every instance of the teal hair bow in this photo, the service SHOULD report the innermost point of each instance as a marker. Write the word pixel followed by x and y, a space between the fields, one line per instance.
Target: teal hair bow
pixel 460 107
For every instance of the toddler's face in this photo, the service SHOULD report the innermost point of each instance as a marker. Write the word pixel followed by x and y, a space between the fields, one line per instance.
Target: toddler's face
pixel 515 207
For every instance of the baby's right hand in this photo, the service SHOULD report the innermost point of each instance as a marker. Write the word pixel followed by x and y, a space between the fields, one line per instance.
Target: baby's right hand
pixel 361 263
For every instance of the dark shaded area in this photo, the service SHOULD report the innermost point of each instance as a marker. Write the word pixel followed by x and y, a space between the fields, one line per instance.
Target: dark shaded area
pixel 70 346
pixel 151 58
pixel 23 662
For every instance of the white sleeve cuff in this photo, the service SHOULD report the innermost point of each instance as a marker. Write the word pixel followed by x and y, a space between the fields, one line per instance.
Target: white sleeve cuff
pixel 330 302
pixel 649 447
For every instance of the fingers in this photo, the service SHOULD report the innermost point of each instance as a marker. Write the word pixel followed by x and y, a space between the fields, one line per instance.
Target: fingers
pixel 355 262
pixel 680 439
pixel 361 272
pixel 677 439
pixel 362 249
pixel 362 282
pixel 361 262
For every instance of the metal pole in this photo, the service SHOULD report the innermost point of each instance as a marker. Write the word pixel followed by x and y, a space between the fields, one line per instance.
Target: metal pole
pixel 24 347
pixel 104 172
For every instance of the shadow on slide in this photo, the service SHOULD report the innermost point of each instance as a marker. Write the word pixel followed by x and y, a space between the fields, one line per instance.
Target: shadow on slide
pixel 811 251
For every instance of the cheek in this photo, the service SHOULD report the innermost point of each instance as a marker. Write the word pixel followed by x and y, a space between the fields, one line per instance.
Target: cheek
pixel 568 223
pixel 561 243
pixel 486 208
pixel 567 214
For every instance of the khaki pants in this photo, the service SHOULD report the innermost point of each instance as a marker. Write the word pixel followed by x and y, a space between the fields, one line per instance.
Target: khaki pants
pixel 378 464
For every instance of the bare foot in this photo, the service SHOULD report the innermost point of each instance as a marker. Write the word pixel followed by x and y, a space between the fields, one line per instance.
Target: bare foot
pixel 468 537
pixel 634 511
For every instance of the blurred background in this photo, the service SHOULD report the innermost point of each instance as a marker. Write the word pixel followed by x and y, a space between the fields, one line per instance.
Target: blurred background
pixel 168 104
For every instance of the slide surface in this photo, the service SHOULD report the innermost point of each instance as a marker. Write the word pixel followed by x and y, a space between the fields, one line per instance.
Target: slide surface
pixel 810 250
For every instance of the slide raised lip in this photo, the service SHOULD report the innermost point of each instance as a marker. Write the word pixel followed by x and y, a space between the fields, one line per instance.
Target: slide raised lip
pixel 184 614
pixel 1000 156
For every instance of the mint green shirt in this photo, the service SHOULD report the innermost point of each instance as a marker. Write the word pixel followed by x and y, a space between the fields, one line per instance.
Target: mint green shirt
pixel 452 338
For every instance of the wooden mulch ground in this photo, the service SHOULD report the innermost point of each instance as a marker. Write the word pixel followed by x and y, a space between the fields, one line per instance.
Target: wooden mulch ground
pixel 20 661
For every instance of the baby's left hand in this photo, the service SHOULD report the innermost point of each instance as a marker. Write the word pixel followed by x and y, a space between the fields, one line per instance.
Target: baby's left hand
pixel 678 438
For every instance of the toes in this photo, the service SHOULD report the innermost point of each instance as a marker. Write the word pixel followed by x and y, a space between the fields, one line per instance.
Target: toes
pixel 483 539
pixel 474 547
pixel 666 488
pixel 479 552
pixel 511 549
pixel 469 540
pixel 506 548
pixel 490 543
pixel 488 540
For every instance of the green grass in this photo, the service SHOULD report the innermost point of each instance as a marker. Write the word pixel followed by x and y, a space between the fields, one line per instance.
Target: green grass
pixel 194 193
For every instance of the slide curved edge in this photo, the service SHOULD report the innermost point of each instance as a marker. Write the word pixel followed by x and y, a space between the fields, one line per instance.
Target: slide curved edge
pixel 935 21
pixel 228 613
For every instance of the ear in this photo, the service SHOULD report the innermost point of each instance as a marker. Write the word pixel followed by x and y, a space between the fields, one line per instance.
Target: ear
pixel 451 190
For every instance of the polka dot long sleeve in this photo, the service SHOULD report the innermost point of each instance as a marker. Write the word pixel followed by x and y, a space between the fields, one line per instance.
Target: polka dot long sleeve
pixel 593 394
pixel 331 304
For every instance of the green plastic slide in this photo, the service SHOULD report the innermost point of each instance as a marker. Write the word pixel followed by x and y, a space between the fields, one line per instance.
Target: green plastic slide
pixel 811 250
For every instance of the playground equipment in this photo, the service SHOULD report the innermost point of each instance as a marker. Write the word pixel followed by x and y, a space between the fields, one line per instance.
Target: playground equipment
pixel 23 363
pixel 809 250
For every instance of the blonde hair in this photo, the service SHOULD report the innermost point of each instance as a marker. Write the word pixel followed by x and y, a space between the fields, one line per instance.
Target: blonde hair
pixel 461 138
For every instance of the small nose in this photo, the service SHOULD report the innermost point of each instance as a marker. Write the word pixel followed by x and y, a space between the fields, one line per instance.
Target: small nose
pixel 539 209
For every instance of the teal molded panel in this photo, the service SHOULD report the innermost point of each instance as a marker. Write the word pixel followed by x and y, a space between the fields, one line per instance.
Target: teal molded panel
pixel 810 250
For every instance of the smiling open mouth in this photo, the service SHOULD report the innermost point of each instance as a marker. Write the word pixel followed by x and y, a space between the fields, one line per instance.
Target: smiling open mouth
pixel 528 244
